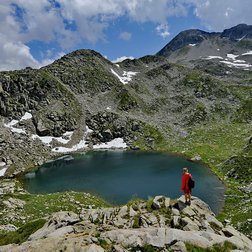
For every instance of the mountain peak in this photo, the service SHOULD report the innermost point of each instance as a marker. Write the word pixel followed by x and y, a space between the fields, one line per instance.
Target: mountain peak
pixel 194 37
pixel 184 38
pixel 238 32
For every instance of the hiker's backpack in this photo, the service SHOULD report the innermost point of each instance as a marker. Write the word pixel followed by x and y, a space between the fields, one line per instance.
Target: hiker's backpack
pixel 191 183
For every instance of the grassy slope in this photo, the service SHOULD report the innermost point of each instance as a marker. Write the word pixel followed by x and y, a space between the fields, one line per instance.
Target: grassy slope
pixel 42 205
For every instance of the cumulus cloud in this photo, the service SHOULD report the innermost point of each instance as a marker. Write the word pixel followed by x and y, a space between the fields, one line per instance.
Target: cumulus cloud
pixel 15 55
pixel 125 36
pixel 162 30
pixel 120 59
pixel 70 22
pixel 222 14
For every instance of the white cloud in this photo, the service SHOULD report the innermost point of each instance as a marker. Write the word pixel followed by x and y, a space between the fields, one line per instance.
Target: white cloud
pixel 222 14
pixel 125 36
pixel 162 30
pixel 15 55
pixel 23 21
pixel 120 59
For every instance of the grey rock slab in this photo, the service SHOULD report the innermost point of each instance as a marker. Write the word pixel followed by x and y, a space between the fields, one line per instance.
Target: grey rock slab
pixel 212 220
pixel 93 248
pixel 167 202
pixel 176 221
pixel 119 222
pixel 175 211
pixel 179 246
pixel 186 220
pixel 61 231
pixel 152 219
pixel 191 227
pixel 132 212
pixel 123 211
pixel 157 202
pixel 140 237
pixel 173 235
pixel 188 211
pixel 56 221
pixel 231 232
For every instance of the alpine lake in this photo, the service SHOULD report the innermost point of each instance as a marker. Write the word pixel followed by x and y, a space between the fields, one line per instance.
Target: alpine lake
pixel 119 176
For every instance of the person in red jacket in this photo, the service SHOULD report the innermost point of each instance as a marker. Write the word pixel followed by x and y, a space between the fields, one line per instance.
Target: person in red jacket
pixel 184 187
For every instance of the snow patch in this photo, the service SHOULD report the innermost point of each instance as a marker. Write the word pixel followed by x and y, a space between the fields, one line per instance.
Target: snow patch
pixel 11 124
pixel 26 116
pixel 232 56
pixel 239 61
pixel 115 143
pixel 214 57
pixel 238 65
pixel 82 144
pixel 239 39
pixel 247 53
pixel 2 172
pixel 48 139
pixel 127 76
pixel 13 129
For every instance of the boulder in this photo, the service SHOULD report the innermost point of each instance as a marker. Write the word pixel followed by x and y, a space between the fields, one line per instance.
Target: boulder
pixel 56 221
pixel 123 211
pixel 175 211
pixel 176 221
pixel 160 201
pixel 42 128
pixel 156 204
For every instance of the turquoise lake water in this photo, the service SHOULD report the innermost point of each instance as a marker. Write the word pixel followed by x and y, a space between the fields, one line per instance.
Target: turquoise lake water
pixel 118 176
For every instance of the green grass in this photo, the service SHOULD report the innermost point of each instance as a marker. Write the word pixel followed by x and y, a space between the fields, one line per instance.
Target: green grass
pixel 151 138
pixel 226 247
pixel 41 205
pixel 214 142
pixel 22 233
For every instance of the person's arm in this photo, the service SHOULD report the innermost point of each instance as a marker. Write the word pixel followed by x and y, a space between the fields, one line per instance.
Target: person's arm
pixel 183 183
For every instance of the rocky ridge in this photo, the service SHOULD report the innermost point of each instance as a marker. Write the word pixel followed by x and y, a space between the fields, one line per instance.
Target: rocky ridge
pixel 190 46
pixel 160 223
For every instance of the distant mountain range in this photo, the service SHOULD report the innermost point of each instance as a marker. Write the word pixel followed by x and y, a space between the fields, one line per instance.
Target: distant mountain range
pixel 194 44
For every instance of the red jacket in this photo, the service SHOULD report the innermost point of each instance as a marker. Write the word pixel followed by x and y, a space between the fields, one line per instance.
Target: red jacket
pixel 185 179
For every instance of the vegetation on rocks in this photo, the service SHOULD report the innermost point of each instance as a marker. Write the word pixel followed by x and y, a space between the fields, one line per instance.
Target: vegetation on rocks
pixel 22 233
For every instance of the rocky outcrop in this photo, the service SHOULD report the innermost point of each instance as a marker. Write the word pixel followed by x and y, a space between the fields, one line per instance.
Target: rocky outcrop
pixel 160 223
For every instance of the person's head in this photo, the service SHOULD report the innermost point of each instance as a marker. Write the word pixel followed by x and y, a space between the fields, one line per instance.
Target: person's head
pixel 185 170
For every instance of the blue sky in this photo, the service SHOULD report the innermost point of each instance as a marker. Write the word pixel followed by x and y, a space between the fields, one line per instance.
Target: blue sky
pixel 36 32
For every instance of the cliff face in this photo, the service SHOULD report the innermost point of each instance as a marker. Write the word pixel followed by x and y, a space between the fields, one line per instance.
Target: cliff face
pixel 157 224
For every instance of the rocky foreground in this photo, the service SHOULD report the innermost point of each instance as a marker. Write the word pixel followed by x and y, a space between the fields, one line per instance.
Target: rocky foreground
pixel 160 224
